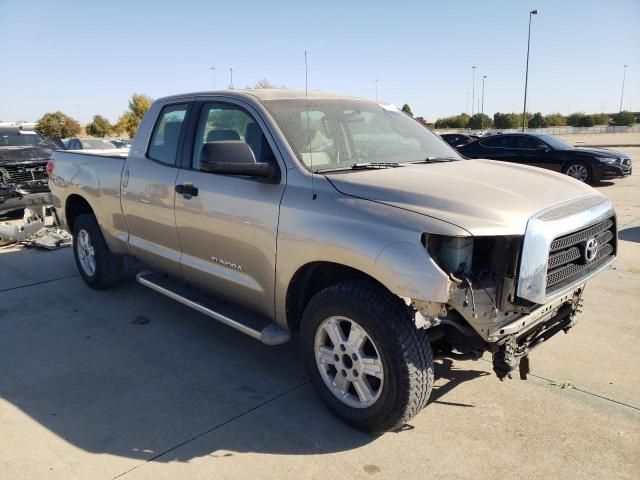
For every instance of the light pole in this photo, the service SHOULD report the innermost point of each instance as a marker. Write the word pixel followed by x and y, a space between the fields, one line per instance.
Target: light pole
pixel 482 114
pixel 213 70
pixel 466 104
pixel 624 77
pixel 231 74
pixel 526 75
pixel 376 89
pixel 473 87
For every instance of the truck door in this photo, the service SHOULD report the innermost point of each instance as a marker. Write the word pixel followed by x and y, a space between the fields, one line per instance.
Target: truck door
pixel 148 183
pixel 227 225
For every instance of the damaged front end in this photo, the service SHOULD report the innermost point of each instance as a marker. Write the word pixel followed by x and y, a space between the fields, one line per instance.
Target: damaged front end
pixel 484 311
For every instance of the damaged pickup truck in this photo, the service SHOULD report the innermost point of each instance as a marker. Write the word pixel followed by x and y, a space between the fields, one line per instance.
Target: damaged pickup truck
pixel 273 211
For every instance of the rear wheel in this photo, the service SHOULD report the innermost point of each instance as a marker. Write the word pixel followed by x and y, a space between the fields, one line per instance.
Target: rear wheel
pixel 580 171
pixel 365 358
pixel 97 265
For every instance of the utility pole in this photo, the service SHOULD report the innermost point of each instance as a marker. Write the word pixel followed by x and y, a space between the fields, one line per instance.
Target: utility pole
pixel 231 74
pixel 624 77
pixel 213 70
pixel 526 75
pixel 484 77
pixel 473 87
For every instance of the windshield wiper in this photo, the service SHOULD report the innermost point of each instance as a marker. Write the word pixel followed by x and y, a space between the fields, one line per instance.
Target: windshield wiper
pixel 437 160
pixel 361 166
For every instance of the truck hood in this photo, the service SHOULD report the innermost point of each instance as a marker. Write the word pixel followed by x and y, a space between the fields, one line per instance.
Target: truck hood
pixel 24 154
pixel 484 197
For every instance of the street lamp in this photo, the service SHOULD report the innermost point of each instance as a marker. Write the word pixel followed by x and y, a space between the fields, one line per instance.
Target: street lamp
pixel 473 87
pixel 231 74
pixel 213 70
pixel 624 77
pixel 482 114
pixel 376 89
pixel 526 75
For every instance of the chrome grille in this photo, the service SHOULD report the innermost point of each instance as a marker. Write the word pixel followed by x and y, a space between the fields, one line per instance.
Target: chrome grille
pixel 568 257
pixel 19 174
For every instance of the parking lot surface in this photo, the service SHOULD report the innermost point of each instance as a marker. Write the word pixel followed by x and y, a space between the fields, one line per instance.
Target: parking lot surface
pixel 128 384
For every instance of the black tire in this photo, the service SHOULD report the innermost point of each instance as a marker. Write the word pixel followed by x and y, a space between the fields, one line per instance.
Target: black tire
pixel 108 267
pixel 589 179
pixel 404 350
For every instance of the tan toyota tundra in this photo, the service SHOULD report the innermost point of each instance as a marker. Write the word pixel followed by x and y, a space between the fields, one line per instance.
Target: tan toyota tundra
pixel 343 219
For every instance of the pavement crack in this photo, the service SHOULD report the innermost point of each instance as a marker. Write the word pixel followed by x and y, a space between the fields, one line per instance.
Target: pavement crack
pixel 215 427
pixel 570 386
pixel 39 283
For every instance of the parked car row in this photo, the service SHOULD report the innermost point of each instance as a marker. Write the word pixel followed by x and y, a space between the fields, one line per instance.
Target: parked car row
pixel 92 143
pixel 588 165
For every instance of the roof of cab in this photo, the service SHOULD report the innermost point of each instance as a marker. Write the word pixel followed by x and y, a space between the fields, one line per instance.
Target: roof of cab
pixel 270 94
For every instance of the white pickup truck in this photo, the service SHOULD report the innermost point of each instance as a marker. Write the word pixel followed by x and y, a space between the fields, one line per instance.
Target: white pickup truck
pixel 273 211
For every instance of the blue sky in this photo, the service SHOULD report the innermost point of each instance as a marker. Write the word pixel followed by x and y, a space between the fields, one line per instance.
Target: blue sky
pixel 88 57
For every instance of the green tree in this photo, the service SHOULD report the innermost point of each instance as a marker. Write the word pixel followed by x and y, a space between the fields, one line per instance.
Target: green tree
pixel 407 109
pixel 624 118
pixel 579 119
pixel 555 120
pixel 537 121
pixel 480 121
pixel 264 83
pixel 600 119
pixel 57 125
pixel 504 120
pixel 456 121
pixel 99 127
pixel 138 106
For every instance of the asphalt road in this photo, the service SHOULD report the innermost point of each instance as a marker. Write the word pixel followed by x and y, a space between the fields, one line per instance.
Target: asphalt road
pixel 128 384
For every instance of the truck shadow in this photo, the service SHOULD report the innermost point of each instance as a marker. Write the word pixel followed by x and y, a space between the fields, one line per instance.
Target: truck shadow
pixel 127 372
pixel 631 234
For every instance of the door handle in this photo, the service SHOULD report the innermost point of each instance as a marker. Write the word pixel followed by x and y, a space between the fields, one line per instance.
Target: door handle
pixel 125 179
pixel 186 190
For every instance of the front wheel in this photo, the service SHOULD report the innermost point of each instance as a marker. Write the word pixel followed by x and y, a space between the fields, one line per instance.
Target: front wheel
pixel 580 171
pixel 365 357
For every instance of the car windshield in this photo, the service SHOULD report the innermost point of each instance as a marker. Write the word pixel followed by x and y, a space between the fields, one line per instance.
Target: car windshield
pixel 96 143
pixel 555 142
pixel 328 134
pixel 19 139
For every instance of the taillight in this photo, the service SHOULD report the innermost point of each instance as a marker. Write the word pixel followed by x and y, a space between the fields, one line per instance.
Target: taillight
pixel 51 164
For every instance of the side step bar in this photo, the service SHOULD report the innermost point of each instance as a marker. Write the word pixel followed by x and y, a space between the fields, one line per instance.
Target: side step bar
pixel 245 321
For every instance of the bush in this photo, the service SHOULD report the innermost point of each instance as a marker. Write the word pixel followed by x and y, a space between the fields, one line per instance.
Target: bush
pixel 537 121
pixel 579 119
pixel 99 127
pixel 57 125
pixel 480 121
pixel 624 118
pixel 600 119
pixel 555 120
pixel 456 121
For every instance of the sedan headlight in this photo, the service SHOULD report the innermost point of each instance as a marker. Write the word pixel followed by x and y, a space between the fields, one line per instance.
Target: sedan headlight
pixel 607 160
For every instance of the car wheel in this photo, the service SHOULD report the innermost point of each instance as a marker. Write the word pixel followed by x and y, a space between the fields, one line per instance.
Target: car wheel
pixel 97 265
pixel 580 171
pixel 366 359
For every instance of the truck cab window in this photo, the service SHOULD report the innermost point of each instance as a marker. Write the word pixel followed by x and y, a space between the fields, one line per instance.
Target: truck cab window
pixel 221 122
pixel 166 133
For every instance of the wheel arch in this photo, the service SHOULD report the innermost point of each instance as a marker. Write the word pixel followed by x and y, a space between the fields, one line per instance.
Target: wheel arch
pixel 313 277
pixel 76 205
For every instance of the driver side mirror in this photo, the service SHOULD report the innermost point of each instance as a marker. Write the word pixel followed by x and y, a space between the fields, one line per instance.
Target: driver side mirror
pixel 233 157
pixel 542 148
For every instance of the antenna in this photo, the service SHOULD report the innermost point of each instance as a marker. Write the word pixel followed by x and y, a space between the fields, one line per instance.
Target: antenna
pixel 314 194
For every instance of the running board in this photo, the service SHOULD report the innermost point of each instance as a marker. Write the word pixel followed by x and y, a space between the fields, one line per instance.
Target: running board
pixel 243 320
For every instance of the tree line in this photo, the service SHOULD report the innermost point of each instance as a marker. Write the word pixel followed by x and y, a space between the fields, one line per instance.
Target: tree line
pixel 59 125
pixel 535 120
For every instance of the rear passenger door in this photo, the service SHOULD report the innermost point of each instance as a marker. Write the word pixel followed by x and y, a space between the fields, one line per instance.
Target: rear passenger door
pixel 227 224
pixel 148 183
pixel 499 147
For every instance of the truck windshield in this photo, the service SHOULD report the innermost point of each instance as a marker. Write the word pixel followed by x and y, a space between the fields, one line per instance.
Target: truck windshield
pixel 328 134
pixel 19 139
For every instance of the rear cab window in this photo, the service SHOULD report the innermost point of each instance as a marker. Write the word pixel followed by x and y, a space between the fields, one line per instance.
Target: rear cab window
pixel 163 146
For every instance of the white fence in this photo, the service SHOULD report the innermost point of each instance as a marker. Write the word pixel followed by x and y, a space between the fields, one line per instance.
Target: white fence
pixel 550 130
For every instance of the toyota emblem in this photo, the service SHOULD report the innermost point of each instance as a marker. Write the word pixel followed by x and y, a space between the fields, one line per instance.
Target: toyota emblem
pixel 591 249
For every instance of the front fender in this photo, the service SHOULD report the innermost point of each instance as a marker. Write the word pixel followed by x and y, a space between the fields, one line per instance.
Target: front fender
pixel 408 271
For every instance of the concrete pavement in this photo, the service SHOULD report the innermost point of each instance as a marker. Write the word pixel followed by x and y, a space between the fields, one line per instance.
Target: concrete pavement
pixel 128 384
